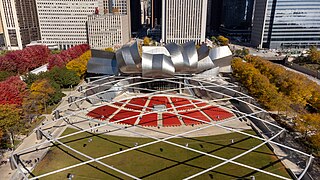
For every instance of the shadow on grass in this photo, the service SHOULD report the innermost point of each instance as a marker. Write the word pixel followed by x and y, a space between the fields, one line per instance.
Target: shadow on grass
pixel 185 162
pixel 172 160
pixel 79 159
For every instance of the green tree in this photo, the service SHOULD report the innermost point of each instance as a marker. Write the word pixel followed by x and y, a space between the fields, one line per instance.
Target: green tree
pixel 5 74
pixel 214 40
pixel 63 77
pixel 55 51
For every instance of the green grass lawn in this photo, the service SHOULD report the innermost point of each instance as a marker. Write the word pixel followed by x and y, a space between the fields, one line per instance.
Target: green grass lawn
pixel 160 160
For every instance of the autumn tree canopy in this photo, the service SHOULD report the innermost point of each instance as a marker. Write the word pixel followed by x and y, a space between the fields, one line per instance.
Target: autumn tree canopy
pixel 79 65
pixel 12 91
pixel 223 40
pixel 22 61
pixel 64 57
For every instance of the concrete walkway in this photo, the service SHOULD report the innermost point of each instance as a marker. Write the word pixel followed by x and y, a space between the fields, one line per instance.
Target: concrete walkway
pixel 36 154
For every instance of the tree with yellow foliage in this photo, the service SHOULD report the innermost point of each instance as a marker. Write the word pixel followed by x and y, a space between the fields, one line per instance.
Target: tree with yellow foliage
pixel 10 118
pixel 79 65
pixel 41 92
pixel 109 49
pixel 146 41
pixel 223 40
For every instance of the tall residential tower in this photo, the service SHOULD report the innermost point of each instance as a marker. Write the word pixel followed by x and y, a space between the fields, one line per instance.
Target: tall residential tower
pixel 183 20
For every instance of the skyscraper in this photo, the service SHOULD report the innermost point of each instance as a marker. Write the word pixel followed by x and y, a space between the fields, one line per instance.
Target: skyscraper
pixel 236 18
pixel 63 22
pixel 183 20
pixel 1 33
pixel 111 28
pixel 135 10
pixel 214 16
pixel 156 10
pixel 237 13
pixel 286 24
pixel 108 30
pixel 119 7
pixel 20 22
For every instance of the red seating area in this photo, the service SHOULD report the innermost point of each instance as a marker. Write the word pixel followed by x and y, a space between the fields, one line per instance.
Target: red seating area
pixel 102 113
pixel 185 103
pixel 119 103
pixel 199 103
pixel 193 114
pixel 159 100
pixel 216 113
pixel 125 114
pixel 137 103
pixel 149 120
pixel 168 119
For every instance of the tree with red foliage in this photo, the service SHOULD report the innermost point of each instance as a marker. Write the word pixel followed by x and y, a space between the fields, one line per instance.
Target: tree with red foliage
pixel 22 61
pixel 12 91
pixel 56 60
pixel 7 65
pixel 66 56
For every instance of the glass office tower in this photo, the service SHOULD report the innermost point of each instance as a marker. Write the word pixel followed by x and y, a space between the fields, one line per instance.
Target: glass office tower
pixel 286 24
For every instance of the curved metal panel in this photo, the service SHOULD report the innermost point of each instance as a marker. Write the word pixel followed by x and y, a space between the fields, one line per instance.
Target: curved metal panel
pixel 157 65
pixel 203 51
pixel 134 50
pixel 205 64
pixel 190 56
pixel 125 60
pixel 102 66
pixel 176 56
pixel 209 73
pixel 220 52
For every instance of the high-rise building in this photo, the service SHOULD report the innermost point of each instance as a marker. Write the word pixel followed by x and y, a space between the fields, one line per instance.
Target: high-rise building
pixel 111 29
pixel 214 16
pixel 286 24
pixel 156 10
pixel 1 33
pixel 183 20
pixel 144 12
pixel 236 18
pixel 20 22
pixel 1 26
pixel 135 10
pixel 237 13
pixel 119 7
pixel 63 22
pixel 108 30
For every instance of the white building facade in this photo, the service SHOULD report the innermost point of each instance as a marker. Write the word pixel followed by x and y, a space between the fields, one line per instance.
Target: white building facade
pixel 184 21
pixel 63 22
pixel 109 30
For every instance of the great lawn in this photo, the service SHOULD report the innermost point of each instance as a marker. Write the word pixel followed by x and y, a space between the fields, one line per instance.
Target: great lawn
pixel 160 160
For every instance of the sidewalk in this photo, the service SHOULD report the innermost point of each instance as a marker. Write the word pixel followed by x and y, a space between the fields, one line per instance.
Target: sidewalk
pixel 31 140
